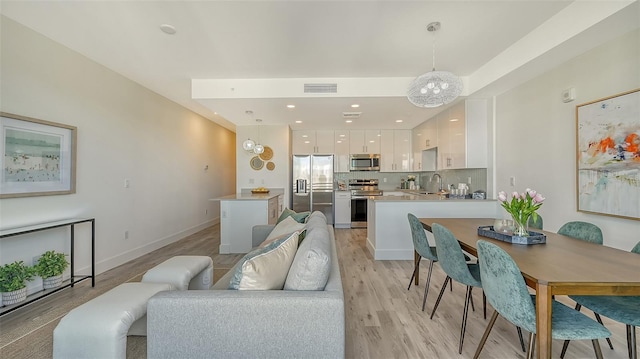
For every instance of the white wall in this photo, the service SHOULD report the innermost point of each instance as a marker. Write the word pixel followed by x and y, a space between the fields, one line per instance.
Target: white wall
pixel 125 131
pixel 275 136
pixel 536 133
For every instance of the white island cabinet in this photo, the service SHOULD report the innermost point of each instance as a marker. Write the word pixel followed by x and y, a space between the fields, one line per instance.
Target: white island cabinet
pixel 240 212
pixel 388 233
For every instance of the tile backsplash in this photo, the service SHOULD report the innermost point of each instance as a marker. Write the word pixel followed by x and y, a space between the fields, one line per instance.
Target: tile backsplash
pixel 391 180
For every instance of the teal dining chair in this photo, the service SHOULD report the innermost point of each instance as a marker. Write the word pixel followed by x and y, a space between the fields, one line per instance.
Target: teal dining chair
pixel 507 292
pixel 535 223
pixel 625 310
pixel 424 250
pixel 453 263
pixel 585 231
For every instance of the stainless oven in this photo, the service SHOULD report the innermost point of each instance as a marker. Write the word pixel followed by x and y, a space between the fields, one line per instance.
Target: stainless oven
pixel 361 190
pixel 364 162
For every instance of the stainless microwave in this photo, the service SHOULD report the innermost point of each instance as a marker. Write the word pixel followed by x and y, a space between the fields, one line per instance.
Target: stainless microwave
pixel 364 162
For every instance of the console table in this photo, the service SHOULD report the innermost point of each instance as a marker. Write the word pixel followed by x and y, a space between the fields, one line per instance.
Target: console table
pixel 74 278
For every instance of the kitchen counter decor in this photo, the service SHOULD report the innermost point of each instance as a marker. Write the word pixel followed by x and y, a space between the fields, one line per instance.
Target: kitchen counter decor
pixel 260 190
pixel 521 207
pixel 530 238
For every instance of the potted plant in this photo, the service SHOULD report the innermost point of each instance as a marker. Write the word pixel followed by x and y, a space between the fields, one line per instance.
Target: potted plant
pixel 50 266
pixel 13 278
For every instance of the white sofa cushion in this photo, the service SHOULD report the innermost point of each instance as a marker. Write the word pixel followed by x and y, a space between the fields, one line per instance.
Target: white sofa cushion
pixel 286 226
pixel 312 263
pixel 266 268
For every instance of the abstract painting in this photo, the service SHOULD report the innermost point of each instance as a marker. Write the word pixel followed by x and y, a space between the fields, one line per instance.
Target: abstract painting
pixel 38 157
pixel 608 156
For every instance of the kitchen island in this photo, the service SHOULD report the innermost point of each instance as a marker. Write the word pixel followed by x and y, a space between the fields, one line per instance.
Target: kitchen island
pixel 239 212
pixel 388 232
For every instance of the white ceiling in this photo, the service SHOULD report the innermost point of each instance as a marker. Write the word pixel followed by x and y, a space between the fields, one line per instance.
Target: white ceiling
pixel 492 45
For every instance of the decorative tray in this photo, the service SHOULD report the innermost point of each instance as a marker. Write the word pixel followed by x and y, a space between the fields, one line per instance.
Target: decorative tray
pixel 533 238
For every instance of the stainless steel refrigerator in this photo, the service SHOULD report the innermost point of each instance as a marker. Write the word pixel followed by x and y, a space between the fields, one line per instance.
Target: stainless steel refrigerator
pixel 313 184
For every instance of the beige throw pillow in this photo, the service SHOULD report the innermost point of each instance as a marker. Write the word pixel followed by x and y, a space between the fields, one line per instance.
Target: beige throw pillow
pixel 266 268
pixel 288 225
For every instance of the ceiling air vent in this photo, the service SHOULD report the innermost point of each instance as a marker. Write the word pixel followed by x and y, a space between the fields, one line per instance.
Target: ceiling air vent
pixel 351 115
pixel 320 88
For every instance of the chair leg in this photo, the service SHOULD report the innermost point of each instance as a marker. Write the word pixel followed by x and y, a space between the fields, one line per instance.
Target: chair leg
pixel 486 334
pixel 631 342
pixel 532 346
pixel 564 348
pixel 451 286
pixel 484 305
pixel 444 286
pixel 521 339
pixel 473 307
pixel 426 288
pixel 600 321
pixel 467 299
pixel 415 269
pixel 596 348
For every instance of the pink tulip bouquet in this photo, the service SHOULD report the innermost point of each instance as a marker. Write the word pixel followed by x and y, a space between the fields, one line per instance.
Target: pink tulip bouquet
pixel 521 207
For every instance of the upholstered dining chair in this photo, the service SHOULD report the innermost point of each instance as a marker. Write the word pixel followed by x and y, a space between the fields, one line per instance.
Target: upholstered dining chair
pixel 453 263
pixel 585 231
pixel 507 292
pixel 421 246
pixel 625 310
pixel 535 223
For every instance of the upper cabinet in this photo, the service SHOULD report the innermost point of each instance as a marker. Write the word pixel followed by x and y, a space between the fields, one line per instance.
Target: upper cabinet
pixel 310 142
pixel 341 158
pixel 364 141
pixel 395 150
pixel 459 134
pixel 462 136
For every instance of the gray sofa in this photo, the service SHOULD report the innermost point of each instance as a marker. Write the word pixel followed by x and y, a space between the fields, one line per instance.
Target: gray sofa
pixel 222 323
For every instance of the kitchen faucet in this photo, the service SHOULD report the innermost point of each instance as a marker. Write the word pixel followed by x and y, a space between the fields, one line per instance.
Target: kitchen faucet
pixel 439 181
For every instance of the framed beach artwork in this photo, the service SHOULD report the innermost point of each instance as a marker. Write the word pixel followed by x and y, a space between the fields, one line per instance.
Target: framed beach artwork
pixel 608 156
pixel 38 157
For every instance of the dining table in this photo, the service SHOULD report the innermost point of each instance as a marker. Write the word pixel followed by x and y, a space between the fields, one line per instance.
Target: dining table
pixel 561 266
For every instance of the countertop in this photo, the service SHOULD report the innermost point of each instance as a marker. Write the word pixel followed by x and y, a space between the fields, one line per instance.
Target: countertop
pixel 248 196
pixel 412 195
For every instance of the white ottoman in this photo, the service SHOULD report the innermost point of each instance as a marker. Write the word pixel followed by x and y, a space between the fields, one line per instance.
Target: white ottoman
pixel 99 327
pixel 183 272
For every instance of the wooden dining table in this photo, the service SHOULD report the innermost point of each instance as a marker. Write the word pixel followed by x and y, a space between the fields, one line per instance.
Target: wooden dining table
pixel 561 266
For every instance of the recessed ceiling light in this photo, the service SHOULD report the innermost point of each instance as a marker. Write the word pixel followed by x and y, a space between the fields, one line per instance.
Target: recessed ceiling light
pixel 339 141
pixel 168 29
pixel 305 136
pixel 291 106
pixel 453 120
pixel 342 135
pixel 355 105
pixel 398 121
pixel 298 121
pixel 348 121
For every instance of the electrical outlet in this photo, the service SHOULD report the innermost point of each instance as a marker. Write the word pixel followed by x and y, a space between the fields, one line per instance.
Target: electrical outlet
pixel 126 183
pixel 469 180
pixel 126 234
pixel 206 211
pixel 384 180
pixel 35 260
pixel 512 181
pixel 251 180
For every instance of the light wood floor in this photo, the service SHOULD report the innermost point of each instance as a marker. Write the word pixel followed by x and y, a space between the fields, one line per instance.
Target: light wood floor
pixel 383 318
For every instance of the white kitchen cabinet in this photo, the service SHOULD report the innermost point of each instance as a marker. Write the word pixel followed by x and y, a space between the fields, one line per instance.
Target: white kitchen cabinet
pixel 462 136
pixel 273 213
pixel 364 141
pixel 341 155
pixel 310 142
pixel 342 209
pixel 424 137
pixel 395 150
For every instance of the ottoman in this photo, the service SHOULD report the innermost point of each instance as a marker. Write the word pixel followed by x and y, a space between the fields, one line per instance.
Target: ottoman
pixel 183 272
pixel 99 327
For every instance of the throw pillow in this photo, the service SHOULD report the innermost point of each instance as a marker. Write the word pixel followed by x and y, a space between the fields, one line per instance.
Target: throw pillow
pixel 287 226
pixel 266 268
pixel 312 263
pixel 299 217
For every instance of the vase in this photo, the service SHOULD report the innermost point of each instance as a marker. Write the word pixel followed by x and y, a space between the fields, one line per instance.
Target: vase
pixel 14 297
pixel 520 224
pixel 52 282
